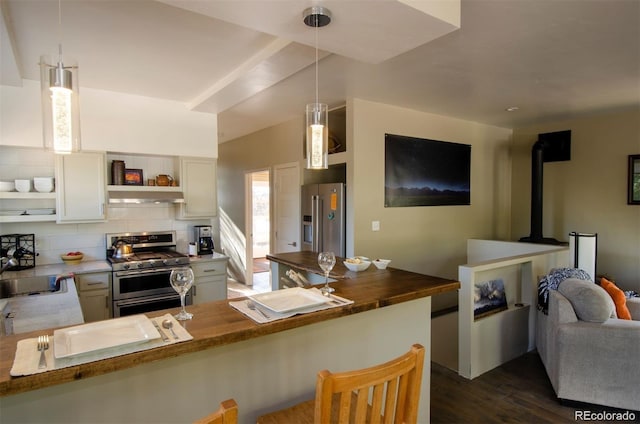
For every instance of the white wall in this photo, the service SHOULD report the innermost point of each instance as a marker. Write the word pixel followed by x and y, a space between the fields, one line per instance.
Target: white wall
pixel 587 194
pixel 430 240
pixel 114 122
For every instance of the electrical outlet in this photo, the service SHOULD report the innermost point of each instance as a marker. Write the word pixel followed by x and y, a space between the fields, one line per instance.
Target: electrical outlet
pixel 375 225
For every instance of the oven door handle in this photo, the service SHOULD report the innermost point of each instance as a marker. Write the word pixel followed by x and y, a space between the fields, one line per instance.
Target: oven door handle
pixel 142 272
pixel 138 301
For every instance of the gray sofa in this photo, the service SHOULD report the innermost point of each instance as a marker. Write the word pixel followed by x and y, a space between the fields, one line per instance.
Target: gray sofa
pixel 592 362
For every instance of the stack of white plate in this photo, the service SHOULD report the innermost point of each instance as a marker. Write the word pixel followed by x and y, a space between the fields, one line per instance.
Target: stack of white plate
pixel 43 184
pixel 23 186
pixel 7 186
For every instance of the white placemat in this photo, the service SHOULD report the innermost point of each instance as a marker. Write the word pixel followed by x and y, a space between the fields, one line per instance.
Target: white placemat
pixel 254 314
pixel 28 357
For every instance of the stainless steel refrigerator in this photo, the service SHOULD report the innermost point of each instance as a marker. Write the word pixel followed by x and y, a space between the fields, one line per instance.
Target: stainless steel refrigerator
pixel 323 218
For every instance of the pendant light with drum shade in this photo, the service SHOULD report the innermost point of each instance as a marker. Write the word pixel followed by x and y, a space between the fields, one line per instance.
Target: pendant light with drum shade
pixel 60 105
pixel 317 114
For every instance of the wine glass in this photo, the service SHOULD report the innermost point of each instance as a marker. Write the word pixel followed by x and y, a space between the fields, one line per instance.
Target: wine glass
pixel 326 260
pixel 181 280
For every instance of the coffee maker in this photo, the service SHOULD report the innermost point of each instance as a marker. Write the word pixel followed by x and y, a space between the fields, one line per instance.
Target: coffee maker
pixel 203 239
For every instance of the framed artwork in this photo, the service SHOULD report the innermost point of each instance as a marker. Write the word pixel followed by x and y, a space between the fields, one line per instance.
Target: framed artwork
pixel 633 196
pixel 488 298
pixel 133 177
pixel 423 172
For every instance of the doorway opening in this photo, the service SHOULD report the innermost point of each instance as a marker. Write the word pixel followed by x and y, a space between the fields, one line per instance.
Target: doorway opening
pixel 259 228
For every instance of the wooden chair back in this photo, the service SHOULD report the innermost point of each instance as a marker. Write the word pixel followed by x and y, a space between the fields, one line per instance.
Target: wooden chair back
pixel 227 413
pixel 386 393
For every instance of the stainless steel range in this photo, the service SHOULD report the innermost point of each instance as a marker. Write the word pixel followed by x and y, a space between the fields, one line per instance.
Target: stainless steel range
pixel 141 264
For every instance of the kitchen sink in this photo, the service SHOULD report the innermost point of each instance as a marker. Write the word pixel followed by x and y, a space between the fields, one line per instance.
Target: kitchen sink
pixel 32 286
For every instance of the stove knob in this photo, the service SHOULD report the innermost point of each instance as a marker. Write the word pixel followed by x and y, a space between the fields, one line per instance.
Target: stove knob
pixel 140 265
pixel 165 262
pixel 125 266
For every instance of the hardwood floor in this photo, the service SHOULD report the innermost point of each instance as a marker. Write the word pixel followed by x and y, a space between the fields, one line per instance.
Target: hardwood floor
pixel 261 265
pixel 516 392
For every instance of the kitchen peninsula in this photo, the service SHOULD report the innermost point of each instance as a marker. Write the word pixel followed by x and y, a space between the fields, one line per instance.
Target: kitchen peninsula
pixel 262 366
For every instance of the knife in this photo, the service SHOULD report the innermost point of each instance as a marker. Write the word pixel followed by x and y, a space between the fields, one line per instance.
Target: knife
pixel 338 300
pixel 164 336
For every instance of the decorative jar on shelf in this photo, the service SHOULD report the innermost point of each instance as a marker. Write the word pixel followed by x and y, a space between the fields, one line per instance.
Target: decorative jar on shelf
pixel 164 180
pixel 117 172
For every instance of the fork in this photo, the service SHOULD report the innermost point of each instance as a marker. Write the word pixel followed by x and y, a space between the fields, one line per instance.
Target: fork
pixel 253 307
pixel 43 344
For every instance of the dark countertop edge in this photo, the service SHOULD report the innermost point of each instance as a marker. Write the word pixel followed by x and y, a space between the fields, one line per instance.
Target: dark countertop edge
pixel 276 258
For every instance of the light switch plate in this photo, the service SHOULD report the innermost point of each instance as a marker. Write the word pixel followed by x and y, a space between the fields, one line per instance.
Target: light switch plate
pixel 375 225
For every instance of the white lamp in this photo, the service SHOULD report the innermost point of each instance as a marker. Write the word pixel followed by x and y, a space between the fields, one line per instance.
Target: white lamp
pixel 582 252
pixel 60 106
pixel 317 114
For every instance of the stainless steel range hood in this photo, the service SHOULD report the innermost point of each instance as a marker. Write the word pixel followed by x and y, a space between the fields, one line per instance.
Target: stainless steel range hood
pixel 135 197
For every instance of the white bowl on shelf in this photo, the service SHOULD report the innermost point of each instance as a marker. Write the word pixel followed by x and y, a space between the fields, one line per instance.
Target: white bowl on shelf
pixel 43 184
pixel 23 186
pixel 7 185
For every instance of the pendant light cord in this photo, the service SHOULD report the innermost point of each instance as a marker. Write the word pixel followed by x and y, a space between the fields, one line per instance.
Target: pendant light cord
pixel 316 33
pixel 60 31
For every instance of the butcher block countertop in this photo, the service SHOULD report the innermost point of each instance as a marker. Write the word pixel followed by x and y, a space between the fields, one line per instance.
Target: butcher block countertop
pixel 217 324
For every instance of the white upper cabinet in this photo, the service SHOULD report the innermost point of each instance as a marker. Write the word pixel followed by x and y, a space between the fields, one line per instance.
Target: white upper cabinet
pixel 198 180
pixel 80 180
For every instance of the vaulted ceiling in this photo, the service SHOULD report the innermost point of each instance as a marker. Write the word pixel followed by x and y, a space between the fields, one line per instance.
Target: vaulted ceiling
pixel 251 62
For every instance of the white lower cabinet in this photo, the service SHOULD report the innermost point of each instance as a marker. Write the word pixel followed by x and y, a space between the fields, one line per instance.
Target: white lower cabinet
pixel 94 291
pixel 210 280
pixel 80 186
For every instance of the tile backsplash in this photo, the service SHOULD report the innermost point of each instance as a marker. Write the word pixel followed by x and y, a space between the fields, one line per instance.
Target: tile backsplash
pixel 52 240
pixel 25 163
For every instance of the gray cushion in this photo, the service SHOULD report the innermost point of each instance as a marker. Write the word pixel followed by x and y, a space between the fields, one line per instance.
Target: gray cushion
pixel 590 301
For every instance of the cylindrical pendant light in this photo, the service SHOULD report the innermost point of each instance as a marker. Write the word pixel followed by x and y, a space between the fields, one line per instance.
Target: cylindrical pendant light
pixel 317 136
pixel 60 105
pixel 317 114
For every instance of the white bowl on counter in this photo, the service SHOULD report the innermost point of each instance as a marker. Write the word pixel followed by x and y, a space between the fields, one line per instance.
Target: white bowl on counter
pixel 357 266
pixel 7 185
pixel 23 186
pixel 382 263
pixel 43 184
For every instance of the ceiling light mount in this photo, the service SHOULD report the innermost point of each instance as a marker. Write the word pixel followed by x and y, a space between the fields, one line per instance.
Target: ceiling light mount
pixel 316 16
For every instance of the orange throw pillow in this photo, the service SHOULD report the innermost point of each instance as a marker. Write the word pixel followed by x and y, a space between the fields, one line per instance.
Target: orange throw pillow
pixel 618 298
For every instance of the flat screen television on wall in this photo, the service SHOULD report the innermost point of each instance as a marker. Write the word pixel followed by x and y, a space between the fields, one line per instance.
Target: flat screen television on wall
pixel 424 172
